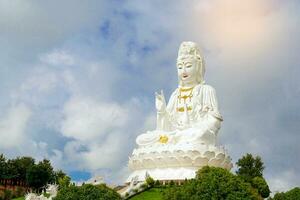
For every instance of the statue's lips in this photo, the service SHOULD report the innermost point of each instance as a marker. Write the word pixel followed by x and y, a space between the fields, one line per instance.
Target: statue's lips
pixel 185 75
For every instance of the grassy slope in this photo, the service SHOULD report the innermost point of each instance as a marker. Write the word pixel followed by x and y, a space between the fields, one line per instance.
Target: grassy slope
pixel 151 194
pixel 20 198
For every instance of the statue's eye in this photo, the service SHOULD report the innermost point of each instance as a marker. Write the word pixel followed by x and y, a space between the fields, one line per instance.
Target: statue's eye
pixel 189 65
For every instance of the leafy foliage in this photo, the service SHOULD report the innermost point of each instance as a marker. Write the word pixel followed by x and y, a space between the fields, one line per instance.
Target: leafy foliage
pixel 87 192
pixel 23 171
pixel 261 185
pixel 212 183
pixel 250 169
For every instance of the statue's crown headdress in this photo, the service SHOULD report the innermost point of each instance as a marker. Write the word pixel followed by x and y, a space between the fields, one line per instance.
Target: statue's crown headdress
pixel 187 49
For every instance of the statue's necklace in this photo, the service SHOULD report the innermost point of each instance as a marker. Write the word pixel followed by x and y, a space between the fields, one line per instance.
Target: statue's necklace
pixel 184 94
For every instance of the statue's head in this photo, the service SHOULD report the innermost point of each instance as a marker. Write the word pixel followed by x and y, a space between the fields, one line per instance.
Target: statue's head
pixel 190 64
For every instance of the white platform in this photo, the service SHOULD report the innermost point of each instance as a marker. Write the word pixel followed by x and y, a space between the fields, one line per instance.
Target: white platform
pixel 169 162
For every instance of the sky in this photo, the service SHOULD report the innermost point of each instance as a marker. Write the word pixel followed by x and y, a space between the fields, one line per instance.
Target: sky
pixel 77 79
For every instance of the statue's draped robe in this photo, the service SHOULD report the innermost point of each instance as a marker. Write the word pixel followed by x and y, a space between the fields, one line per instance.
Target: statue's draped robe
pixel 203 121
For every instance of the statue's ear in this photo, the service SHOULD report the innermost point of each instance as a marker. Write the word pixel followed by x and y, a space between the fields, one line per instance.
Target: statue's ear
pixel 199 71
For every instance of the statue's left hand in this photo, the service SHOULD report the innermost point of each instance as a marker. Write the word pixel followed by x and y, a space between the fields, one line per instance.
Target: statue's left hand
pixel 160 102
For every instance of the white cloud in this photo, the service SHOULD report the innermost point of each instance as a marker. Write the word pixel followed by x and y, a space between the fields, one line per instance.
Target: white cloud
pixel 42 80
pixel 86 119
pixel 284 181
pixel 58 58
pixel 105 154
pixel 13 126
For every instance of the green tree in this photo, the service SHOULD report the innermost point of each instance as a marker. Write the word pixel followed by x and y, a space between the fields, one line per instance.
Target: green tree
pixel 212 183
pixel 2 165
pixel 22 164
pixel 39 175
pixel 250 167
pixel 47 167
pixel 11 170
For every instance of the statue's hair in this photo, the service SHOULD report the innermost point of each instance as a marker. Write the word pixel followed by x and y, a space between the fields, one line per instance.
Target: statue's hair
pixel 191 49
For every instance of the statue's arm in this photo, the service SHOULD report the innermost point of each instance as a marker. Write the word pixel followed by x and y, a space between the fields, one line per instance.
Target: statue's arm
pixel 163 121
pixel 209 117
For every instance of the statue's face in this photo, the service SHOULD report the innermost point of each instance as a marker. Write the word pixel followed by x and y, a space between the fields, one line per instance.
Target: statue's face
pixel 187 71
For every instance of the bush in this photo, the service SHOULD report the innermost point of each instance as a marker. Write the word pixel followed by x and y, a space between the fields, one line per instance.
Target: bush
pixel 144 186
pixel 212 183
pixel 20 191
pixel 7 195
pixel 126 194
pixel 68 193
pixel 171 183
pixel 157 183
pixel 87 192
pixel 135 190
pixel 150 181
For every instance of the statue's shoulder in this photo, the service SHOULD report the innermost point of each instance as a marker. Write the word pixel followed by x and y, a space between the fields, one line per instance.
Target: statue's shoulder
pixel 204 88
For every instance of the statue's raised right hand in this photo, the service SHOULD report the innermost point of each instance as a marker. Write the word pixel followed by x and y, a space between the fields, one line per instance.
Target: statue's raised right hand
pixel 160 101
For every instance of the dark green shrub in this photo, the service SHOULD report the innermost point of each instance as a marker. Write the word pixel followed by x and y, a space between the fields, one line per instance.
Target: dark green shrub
pixel 157 183
pixel 171 183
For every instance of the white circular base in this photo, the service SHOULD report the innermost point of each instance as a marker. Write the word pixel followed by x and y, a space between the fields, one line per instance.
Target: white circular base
pixel 175 162
pixel 180 173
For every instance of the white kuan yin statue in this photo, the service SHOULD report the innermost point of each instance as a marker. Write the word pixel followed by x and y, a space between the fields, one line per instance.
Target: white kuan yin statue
pixel 185 138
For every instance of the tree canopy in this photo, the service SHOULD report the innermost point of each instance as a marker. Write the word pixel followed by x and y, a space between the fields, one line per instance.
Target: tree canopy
pixel 213 183
pixel 26 171
pixel 250 169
